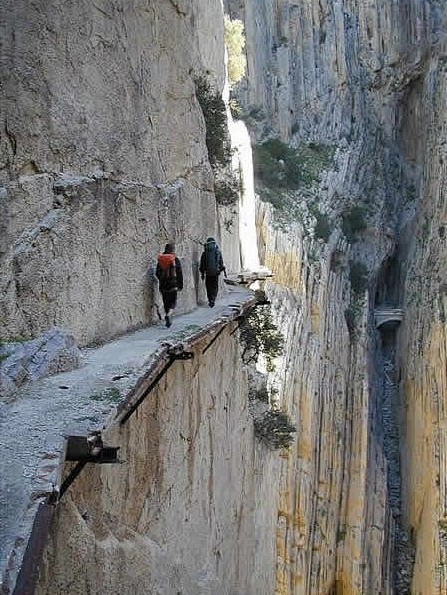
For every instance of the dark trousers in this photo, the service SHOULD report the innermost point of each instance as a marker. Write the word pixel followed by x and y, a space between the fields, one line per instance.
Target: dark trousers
pixel 169 300
pixel 212 286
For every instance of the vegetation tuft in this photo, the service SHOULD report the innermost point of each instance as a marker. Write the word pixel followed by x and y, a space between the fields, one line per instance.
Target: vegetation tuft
pixel 235 42
pixel 262 393
pixel 276 165
pixel 214 113
pixel 227 187
pixel 275 429
pixel 108 394
pixel 358 275
pixel 226 183
pixel 260 336
pixel 280 169
pixel 354 222
pixel 323 227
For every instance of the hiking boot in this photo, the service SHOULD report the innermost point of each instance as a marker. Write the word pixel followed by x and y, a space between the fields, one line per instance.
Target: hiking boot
pixel 168 321
pixel 211 304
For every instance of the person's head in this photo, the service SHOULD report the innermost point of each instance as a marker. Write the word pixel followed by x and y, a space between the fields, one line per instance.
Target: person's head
pixel 208 240
pixel 170 248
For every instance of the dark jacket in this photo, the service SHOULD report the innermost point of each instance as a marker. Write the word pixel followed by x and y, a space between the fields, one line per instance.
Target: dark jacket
pixel 218 264
pixel 173 283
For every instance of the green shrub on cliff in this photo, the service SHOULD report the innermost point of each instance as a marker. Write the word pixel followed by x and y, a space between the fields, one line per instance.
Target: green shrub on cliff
pixel 358 275
pixel 313 159
pixel 280 167
pixel 276 165
pixel 215 115
pixel 226 182
pixel 235 42
pixel 275 429
pixel 260 336
pixel 354 222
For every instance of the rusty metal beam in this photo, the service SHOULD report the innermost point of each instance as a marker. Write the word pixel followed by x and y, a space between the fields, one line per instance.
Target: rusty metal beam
pixel 71 477
pixel 145 393
pixel 216 336
pixel 90 449
pixel 29 570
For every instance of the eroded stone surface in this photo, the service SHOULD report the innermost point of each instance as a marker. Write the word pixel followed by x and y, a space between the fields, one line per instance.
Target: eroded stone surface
pixel 103 159
pixel 53 352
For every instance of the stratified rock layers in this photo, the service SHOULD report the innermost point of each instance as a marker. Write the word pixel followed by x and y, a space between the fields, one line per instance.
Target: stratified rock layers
pixel 365 77
pixel 103 158
pixel 423 339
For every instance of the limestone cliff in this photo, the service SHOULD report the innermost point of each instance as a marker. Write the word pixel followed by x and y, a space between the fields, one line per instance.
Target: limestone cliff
pixel 103 158
pixel 357 89
pixel 181 513
pixel 367 78
pixel 422 343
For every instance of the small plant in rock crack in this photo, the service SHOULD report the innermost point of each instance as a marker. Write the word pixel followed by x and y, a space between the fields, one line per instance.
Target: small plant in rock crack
pixel 354 222
pixel 227 186
pixel 108 394
pixel 260 336
pixel 275 429
pixel 358 276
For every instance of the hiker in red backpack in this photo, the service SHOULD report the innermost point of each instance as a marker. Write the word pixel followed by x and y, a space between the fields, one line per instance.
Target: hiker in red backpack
pixel 170 279
pixel 211 265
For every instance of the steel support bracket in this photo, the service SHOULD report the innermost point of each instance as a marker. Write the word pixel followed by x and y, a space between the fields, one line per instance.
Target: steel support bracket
pixel 183 355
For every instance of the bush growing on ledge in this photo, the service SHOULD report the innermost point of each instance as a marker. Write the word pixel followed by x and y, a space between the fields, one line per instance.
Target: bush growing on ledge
pixel 215 115
pixel 276 165
pixel 280 167
pixel 314 158
pixel 323 227
pixel 260 336
pixel 262 393
pixel 275 429
pixel 358 275
pixel 235 42
pixel 227 186
pixel 354 222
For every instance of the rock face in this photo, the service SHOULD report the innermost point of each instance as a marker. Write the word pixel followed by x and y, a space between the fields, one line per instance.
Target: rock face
pixel 360 76
pixel 54 351
pixel 103 159
pixel 200 506
pixel 423 340
pixel 181 514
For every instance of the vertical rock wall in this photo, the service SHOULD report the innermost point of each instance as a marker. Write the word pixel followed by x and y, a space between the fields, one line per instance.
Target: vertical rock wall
pixel 361 76
pixel 192 509
pixel 423 338
pixel 332 526
pixel 102 158
pixel 365 76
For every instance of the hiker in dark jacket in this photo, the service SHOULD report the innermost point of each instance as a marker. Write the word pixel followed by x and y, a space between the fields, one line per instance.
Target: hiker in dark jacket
pixel 170 279
pixel 211 265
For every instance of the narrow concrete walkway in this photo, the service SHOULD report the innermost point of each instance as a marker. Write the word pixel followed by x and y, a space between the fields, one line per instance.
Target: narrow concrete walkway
pixel 386 315
pixel 33 426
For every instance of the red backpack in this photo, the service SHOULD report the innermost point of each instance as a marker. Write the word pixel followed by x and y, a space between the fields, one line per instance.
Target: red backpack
pixel 168 271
